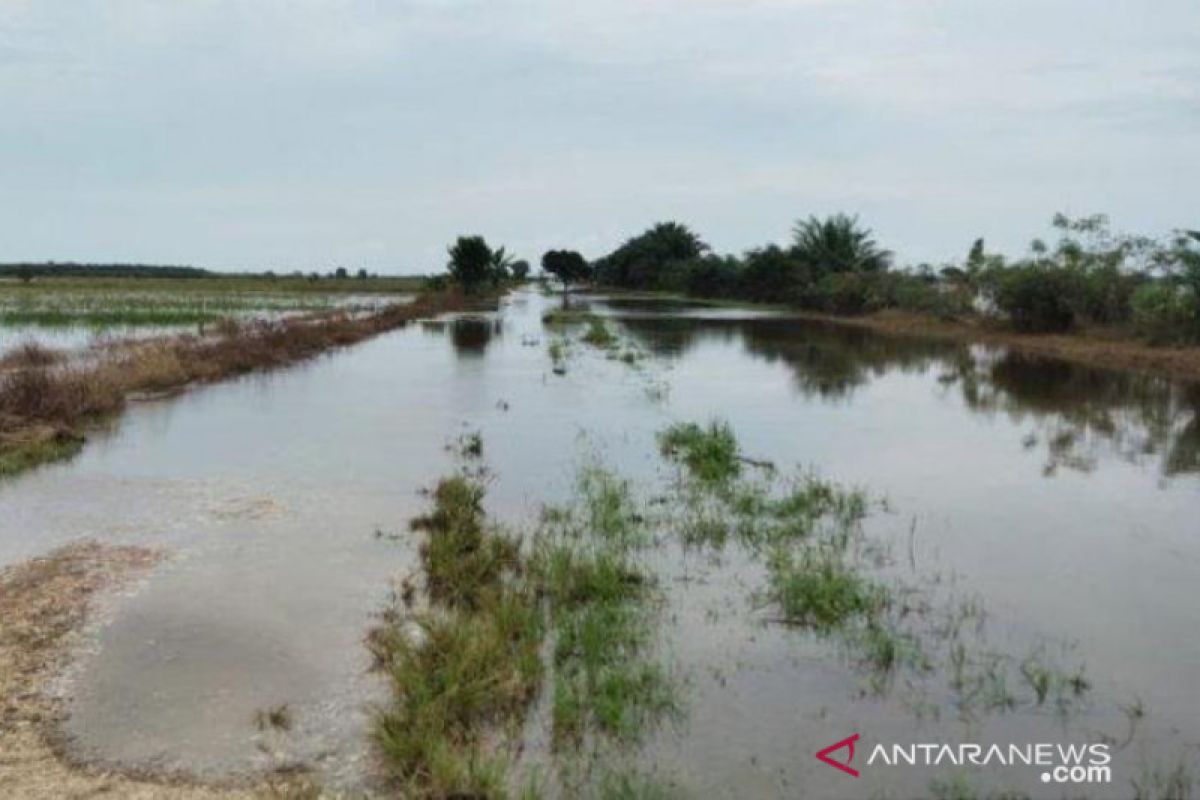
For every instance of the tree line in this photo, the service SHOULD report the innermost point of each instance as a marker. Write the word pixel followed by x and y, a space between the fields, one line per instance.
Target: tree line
pixel 1087 275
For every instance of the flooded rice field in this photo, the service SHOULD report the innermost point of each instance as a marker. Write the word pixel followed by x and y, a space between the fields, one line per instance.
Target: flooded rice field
pixel 72 319
pixel 1032 523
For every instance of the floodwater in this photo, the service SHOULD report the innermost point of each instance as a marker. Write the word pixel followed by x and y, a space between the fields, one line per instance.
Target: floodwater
pixel 76 331
pixel 1061 499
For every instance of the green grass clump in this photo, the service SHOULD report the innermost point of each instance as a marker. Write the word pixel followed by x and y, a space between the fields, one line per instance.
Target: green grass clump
pixel 571 578
pixel 598 334
pixel 604 680
pixel 609 509
pixel 710 454
pixel 816 588
pixel 18 456
pixel 559 352
pixel 764 516
pixel 467 668
pixel 464 563
pixel 600 605
pixel 465 671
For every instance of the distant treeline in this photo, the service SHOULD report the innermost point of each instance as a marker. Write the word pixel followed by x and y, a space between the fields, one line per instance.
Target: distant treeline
pixel 1086 275
pixel 70 269
pixel 28 271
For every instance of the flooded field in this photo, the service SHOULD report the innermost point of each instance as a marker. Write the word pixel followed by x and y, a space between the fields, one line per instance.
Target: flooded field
pixel 75 317
pixel 1027 537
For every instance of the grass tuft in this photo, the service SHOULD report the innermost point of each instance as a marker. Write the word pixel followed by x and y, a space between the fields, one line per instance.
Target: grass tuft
pixel 710 454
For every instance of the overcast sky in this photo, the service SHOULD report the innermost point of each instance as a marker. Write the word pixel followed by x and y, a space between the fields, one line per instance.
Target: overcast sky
pixel 307 134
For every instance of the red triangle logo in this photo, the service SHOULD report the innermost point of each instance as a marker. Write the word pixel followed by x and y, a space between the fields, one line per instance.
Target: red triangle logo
pixel 844 766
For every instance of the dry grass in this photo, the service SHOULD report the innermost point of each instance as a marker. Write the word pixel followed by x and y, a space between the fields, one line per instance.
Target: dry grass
pixel 44 604
pixel 44 405
pixel 29 354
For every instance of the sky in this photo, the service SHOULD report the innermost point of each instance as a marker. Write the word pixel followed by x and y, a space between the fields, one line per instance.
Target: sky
pixel 294 134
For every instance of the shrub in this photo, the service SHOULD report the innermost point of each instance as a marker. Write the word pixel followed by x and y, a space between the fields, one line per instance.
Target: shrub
pixel 1164 312
pixel 1036 298
pixel 1104 294
pixel 847 293
pixel 711 277
pixel 772 275
pixel 943 299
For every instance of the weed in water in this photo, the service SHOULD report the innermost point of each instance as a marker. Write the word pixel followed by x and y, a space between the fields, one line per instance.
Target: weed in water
pixel 816 588
pixel 630 786
pixel 467 667
pixel 710 454
pixel 559 350
pixel 598 334
pixel 1159 782
pixel 464 564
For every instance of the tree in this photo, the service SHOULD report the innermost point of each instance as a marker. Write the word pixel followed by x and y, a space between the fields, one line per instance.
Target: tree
pixel 838 244
pixel 470 262
pixel 25 273
pixel 520 269
pixel 976 258
pixel 499 268
pixel 652 259
pixel 773 275
pixel 568 266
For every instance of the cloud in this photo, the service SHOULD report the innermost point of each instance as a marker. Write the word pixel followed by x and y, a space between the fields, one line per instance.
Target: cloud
pixel 231 132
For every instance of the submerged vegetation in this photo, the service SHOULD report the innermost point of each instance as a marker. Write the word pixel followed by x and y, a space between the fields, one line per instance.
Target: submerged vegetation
pixel 51 306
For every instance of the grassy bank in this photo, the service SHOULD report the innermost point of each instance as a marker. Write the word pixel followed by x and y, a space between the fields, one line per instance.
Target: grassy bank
pixel 46 408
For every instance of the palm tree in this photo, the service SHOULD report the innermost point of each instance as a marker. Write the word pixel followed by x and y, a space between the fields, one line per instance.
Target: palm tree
pixel 500 266
pixel 838 244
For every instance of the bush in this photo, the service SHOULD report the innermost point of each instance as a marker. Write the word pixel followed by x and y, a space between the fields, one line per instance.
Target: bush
pixel 711 277
pixel 1104 294
pixel 848 293
pixel 772 275
pixel 1164 312
pixel 942 299
pixel 1036 298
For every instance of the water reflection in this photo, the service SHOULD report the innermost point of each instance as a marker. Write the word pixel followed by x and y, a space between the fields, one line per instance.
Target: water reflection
pixel 1078 413
pixel 470 336
pixel 1074 413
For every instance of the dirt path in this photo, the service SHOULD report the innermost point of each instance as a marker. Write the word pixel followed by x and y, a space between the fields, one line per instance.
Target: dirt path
pixel 44 605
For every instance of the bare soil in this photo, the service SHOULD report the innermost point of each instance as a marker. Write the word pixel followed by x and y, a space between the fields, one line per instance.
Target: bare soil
pixel 45 604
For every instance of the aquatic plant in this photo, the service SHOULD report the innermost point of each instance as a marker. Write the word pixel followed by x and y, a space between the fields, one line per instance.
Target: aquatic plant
pixel 598 334
pixel 710 454
pixel 816 588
